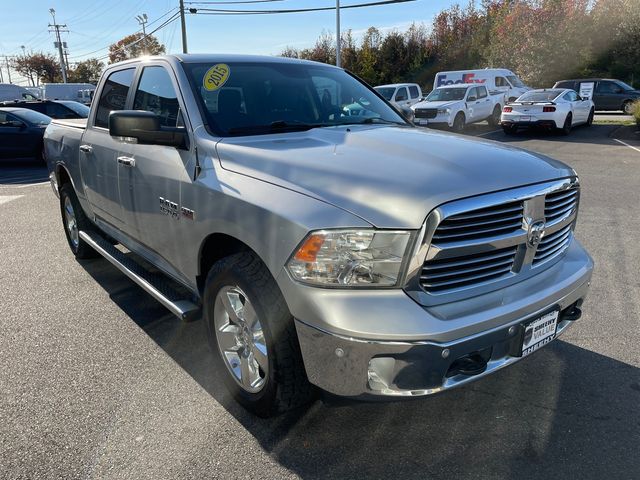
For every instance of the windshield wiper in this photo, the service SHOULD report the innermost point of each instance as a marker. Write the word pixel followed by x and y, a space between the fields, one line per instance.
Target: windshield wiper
pixel 278 126
pixel 373 120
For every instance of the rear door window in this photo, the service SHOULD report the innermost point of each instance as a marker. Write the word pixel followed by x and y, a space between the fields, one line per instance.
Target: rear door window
pixel 156 94
pixel 482 92
pixel 413 91
pixel 113 96
pixel 401 94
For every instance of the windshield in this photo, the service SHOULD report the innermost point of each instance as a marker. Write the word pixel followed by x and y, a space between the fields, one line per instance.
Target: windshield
pixel 446 94
pixel 546 96
pixel 386 92
pixel 32 116
pixel 257 98
pixel 624 85
pixel 515 81
pixel 77 107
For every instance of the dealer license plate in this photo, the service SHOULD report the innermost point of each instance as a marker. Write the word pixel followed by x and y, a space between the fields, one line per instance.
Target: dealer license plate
pixel 539 332
pixel 525 118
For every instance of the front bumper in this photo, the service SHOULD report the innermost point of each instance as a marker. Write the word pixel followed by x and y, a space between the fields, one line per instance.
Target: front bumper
pixel 356 365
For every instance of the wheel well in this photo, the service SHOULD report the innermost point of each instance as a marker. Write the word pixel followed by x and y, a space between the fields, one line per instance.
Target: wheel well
pixel 63 177
pixel 215 247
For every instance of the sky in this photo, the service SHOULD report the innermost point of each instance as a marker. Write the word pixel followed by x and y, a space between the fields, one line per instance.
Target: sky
pixel 94 25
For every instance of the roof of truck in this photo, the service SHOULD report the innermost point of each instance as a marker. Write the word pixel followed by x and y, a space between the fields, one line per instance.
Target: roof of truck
pixel 225 58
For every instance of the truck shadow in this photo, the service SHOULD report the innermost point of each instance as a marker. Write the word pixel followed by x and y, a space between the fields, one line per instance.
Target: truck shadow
pixel 566 412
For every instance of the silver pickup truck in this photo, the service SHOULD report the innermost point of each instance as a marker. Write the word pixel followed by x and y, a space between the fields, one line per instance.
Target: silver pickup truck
pixel 357 254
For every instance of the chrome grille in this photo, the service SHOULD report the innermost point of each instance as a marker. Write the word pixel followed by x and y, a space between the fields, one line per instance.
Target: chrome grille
pixel 552 245
pixel 426 112
pixel 479 244
pixel 460 272
pixel 484 222
pixel 560 204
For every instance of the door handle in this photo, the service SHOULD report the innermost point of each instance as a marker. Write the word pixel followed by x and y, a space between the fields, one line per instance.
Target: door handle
pixel 86 148
pixel 127 161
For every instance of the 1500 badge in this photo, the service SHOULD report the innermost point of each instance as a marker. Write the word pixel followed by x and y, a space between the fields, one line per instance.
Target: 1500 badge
pixel 173 210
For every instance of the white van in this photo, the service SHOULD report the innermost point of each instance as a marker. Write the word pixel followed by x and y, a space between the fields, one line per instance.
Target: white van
pixel 400 94
pixel 79 92
pixel 495 79
pixel 9 91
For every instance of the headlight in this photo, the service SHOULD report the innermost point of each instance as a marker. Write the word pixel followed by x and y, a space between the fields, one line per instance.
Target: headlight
pixel 444 110
pixel 350 258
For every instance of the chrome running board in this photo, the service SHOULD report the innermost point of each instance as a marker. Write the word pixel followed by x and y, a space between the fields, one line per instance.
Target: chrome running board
pixel 155 284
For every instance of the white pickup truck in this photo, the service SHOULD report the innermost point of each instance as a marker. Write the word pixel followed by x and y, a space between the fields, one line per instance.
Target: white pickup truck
pixel 458 105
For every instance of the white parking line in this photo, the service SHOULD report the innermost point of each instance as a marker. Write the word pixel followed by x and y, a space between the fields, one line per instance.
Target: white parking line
pixel 8 198
pixel 487 133
pixel 627 145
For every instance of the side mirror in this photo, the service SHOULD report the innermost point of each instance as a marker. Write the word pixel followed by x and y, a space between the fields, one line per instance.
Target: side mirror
pixel 407 113
pixel 472 98
pixel 145 127
pixel 16 124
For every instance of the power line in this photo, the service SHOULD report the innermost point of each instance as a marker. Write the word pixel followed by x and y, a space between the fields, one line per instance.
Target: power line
pixel 221 11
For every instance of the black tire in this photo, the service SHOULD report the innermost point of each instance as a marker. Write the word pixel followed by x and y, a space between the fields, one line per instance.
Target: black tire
pixel 494 119
pixel 509 129
pixel 627 107
pixel 79 247
pixel 286 385
pixel 459 123
pixel 590 118
pixel 566 128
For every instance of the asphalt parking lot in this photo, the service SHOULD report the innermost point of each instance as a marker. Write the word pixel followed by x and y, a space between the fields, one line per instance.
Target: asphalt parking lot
pixel 99 381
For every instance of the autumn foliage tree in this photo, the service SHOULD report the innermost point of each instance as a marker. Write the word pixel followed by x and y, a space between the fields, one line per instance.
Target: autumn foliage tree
pixel 541 40
pixel 87 71
pixel 42 67
pixel 135 45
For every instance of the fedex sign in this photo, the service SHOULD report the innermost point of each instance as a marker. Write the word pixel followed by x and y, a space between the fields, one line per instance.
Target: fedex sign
pixel 464 78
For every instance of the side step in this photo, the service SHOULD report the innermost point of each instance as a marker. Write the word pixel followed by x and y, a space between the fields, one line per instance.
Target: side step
pixel 155 284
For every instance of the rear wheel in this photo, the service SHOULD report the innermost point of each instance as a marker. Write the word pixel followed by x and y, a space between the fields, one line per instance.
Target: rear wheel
pixel 590 118
pixel 566 128
pixel 252 334
pixel 494 119
pixel 75 221
pixel 459 123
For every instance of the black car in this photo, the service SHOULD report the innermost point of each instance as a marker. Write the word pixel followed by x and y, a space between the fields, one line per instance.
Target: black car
pixel 21 132
pixel 608 94
pixel 59 109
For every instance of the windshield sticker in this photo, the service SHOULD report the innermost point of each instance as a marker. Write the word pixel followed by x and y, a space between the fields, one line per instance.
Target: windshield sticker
pixel 216 77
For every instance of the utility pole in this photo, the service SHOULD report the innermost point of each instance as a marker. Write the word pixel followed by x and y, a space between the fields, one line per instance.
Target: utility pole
pixel 184 28
pixel 6 59
pixel 58 43
pixel 338 39
pixel 142 20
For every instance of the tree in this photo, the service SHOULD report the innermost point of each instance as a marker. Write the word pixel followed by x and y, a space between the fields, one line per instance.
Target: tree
pixel 87 71
pixel 41 66
pixel 133 46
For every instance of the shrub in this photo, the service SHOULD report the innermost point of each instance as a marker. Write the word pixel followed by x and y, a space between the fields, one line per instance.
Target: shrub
pixel 635 111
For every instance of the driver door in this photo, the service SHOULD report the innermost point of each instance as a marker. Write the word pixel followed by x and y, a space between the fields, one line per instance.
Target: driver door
pixel 150 177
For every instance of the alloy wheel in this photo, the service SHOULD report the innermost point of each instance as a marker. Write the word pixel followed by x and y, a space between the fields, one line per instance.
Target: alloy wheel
pixel 70 222
pixel 240 339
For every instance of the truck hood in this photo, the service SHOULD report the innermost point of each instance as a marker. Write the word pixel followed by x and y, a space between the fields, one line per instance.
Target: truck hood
pixel 391 177
pixel 442 104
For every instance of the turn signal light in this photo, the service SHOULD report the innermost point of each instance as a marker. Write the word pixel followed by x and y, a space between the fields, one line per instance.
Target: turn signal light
pixel 507 109
pixel 548 109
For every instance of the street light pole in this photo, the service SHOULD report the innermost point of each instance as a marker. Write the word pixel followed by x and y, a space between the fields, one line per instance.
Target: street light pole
pixel 183 24
pixel 142 20
pixel 338 59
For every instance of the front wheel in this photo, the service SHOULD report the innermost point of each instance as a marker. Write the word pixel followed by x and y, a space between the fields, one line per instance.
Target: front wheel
pixel 252 334
pixel 627 107
pixel 459 123
pixel 590 118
